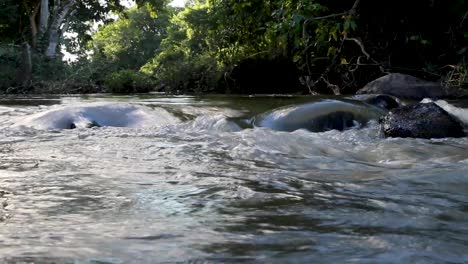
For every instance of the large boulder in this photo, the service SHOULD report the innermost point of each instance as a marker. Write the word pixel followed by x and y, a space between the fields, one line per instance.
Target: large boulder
pixel 420 121
pixel 405 86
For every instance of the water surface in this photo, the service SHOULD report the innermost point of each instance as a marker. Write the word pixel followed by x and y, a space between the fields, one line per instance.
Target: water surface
pixel 196 181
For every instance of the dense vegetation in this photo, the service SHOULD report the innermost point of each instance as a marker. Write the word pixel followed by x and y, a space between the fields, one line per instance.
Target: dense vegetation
pixel 235 46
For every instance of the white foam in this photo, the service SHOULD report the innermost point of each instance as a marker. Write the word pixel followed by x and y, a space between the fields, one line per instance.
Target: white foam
pixel 104 114
pixel 460 113
pixel 216 123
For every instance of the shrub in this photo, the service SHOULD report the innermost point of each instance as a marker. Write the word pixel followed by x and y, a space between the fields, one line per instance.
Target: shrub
pixel 9 63
pixel 128 81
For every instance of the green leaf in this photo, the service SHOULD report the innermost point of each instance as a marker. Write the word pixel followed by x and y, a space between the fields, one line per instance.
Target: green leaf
pixel 334 34
pixel 298 18
pixel 347 25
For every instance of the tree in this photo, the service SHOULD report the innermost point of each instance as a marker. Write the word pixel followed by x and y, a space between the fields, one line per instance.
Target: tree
pixel 134 38
pixel 48 20
pixel 11 17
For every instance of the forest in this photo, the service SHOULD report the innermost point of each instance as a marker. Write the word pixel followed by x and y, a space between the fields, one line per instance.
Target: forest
pixel 228 46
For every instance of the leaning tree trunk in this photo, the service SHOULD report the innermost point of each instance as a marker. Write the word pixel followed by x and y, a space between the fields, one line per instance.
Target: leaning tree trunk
pixel 54 31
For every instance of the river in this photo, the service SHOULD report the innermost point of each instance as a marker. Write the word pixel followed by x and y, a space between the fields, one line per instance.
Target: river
pixel 189 179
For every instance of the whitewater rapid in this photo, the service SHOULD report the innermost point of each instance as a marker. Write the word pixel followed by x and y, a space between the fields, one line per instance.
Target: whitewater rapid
pixel 188 179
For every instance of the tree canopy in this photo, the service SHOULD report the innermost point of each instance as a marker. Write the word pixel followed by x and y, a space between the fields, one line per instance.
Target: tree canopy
pixel 213 45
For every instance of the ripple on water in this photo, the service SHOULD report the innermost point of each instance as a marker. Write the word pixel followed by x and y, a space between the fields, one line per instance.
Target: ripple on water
pixel 204 189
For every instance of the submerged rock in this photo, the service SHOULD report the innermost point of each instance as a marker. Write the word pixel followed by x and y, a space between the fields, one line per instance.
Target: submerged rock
pixel 87 125
pixel 96 115
pixel 420 121
pixel 382 101
pixel 318 117
pixel 404 86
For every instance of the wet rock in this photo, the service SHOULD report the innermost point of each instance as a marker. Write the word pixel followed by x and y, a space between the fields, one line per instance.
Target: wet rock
pixel 92 124
pixel 382 101
pixel 405 86
pixel 88 125
pixel 339 120
pixel 420 121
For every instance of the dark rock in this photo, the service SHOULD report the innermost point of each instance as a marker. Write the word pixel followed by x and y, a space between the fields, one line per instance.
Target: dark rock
pixel 405 86
pixel 88 125
pixel 339 120
pixel 420 121
pixel 382 101
pixel 92 124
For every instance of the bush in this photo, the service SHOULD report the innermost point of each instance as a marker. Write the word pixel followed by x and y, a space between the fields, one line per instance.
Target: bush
pixel 9 63
pixel 49 70
pixel 178 72
pixel 128 81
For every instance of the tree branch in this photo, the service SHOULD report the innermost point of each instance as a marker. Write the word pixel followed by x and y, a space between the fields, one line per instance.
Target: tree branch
pixel 463 19
pixel 357 41
pixel 351 12
pixel 67 22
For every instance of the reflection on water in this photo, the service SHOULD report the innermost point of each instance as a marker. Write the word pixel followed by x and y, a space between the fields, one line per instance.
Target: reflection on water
pixel 209 187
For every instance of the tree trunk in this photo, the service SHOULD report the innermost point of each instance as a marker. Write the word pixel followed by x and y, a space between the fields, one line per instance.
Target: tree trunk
pixel 24 75
pixel 44 16
pixel 54 31
pixel 32 22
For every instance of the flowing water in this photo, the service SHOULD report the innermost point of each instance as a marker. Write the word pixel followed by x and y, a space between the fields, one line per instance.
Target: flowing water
pixel 193 179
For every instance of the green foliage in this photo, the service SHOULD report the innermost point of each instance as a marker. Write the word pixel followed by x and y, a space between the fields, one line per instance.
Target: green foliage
pixel 332 43
pixel 457 76
pixel 45 69
pixel 182 62
pixel 9 63
pixel 9 18
pixel 128 81
pixel 218 34
pixel 132 40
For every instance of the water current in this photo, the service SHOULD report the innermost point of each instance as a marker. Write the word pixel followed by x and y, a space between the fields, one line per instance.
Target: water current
pixel 193 179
